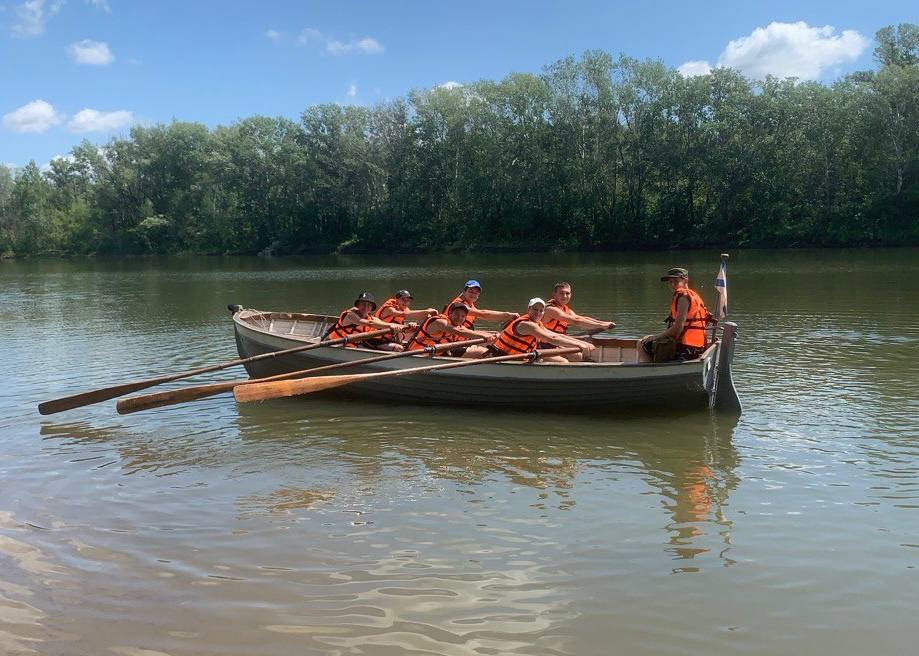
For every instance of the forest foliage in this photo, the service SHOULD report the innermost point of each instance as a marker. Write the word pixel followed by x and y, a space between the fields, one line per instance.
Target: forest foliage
pixel 593 153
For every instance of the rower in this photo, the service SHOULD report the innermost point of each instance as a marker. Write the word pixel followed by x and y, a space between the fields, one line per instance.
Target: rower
pixel 471 292
pixel 359 319
pixel 559 314
pixel 524 334
pixel 449 327
pixel 684 338
pixel 397 309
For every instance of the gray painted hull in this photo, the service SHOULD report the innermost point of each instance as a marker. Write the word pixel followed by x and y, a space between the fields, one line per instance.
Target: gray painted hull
pixel 548 386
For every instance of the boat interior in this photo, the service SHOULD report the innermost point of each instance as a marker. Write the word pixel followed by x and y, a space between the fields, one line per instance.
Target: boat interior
pixel 312 326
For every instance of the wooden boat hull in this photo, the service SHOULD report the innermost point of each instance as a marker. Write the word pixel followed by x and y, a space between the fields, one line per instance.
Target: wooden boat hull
pixel 548 386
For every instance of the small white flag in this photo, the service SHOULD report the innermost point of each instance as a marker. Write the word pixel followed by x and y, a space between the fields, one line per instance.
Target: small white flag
pixel 721 286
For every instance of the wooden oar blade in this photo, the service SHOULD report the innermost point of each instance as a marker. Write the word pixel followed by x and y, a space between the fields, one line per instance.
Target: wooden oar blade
pixel 88 398
pixel 171 397
pixel 283 388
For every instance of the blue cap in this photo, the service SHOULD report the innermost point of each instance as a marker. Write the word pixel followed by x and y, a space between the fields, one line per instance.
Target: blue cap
pixel 472 283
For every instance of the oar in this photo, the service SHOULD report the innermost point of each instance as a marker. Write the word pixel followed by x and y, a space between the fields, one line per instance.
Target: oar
pixel 275 390
pixel 106 393
pixel 172 397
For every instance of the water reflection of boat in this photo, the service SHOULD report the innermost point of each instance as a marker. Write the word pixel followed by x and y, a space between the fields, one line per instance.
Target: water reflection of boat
pixel 688 461
pixel 613 379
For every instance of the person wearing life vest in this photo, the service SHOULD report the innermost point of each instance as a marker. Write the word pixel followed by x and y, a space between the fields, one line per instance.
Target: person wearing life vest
pixel 359 319
pixel 397 309
pixel 449 327
pixel 686 323
pixel 470 296
pixel 524 335
pixel 559 315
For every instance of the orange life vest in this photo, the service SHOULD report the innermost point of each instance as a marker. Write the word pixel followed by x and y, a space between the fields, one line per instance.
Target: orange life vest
pixel 423 338
pixel 340 330
pixel 511 343
pixel 396 318
pixel 469 321
pixel 697 318
pixel 558 325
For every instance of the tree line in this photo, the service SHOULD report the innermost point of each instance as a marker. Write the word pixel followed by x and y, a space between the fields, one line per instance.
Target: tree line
pixel 593 153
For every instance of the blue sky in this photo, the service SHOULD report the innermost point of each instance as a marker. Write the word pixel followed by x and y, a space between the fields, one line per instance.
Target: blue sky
pixel 77 69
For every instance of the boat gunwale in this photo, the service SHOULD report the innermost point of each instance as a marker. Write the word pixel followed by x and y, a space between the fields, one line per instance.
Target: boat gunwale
pixel 303 316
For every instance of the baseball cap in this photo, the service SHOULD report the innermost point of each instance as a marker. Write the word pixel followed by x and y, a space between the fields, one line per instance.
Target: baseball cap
pixel 675 272
pixel 472 283
pixel 536 301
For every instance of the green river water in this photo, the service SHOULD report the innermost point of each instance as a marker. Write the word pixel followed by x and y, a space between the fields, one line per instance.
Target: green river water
pixel 327 526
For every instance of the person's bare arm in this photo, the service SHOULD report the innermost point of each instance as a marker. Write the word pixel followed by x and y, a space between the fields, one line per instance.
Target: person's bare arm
pixel 391 313
pixel 682 308
pixel 351 319
pixel 470 334
pixel 557 339
pixel 374 322
pixel 590 322
pixel 492 315
pixel 576 319
pixel 418 314
pixel 440 326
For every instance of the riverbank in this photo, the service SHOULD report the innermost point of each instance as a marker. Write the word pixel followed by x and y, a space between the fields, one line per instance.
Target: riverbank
pixel 485 249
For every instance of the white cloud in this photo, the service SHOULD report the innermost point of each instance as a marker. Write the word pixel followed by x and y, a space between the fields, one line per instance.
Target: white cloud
pixel 44 168
pixel 309 35
pixel 32 15
pixel 352 90
pixel 92 120
pixel 792 50
pixel 101 4
pixel 694 68
pixel 450 85
pixel 366 46
pixel 37 116
pixel 274 35
pixel 94 53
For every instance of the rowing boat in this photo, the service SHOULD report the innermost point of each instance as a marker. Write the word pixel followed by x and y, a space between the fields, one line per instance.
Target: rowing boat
pixel 612 379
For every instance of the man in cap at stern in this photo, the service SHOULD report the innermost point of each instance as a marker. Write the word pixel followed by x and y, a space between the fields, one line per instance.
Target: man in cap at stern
pixel 684 338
